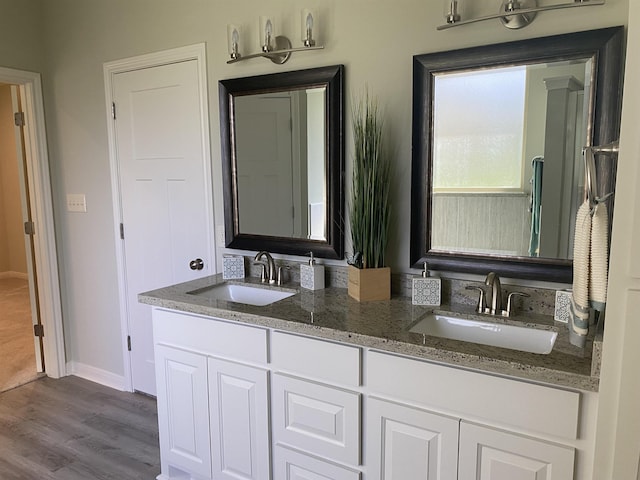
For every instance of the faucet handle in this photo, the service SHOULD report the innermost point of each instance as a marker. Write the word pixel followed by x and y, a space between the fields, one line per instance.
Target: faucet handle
pixel 286 267
pixel 507 312
pixel 263 271
pixel 482 306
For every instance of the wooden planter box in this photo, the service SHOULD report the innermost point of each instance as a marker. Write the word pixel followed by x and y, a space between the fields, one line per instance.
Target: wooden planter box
pixel 369 283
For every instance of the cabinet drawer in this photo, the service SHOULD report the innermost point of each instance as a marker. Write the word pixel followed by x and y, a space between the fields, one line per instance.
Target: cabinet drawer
pixel 507 402
pixel 316 418
pixel 318 359
pixel 210 336
pixel 291 465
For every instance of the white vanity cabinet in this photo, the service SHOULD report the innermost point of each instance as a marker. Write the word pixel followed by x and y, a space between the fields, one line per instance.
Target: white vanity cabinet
pixel 241 402
pixel 213 409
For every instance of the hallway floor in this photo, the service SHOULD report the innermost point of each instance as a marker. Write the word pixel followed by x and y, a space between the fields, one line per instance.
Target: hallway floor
pixel 17 350
pixel 74 429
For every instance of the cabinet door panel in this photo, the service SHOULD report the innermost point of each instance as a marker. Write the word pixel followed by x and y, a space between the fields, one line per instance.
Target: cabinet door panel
pixel 317 418
pixel 405 443
pixel 239 421
pixel 291 465
pixel 489 454
pixel 183 410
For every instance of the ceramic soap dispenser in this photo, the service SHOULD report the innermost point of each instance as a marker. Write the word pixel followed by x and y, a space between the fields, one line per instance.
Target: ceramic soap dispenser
pixel 426 290
pixel 312 275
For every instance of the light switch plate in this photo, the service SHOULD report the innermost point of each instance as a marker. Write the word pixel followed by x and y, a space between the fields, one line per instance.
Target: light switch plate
pixel 76 202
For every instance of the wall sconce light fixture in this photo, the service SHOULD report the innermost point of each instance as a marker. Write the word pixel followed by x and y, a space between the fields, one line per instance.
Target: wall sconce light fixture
pixel 513 14
pixel 276 48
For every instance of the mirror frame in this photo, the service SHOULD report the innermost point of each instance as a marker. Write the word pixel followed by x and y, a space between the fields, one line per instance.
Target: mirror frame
pixel 333 78
pixel 604 45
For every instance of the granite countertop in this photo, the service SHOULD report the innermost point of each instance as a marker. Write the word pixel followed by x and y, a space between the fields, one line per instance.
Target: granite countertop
pixel 331 314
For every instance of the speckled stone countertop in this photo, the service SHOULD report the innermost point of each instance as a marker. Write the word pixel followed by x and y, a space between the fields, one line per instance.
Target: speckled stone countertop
pixel 333 315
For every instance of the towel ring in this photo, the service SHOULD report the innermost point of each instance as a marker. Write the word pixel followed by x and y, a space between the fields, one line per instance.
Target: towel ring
pixel 589 153
pixel 590 170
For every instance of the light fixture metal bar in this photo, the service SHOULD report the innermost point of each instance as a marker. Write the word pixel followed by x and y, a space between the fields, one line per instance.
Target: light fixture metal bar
pixel 275 53
pixel 585 3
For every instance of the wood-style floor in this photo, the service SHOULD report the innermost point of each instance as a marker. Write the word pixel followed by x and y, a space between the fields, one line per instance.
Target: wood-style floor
pixel 73 429
pixel 17 347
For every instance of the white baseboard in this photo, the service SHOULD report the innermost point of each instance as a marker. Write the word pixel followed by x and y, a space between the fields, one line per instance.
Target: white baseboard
pixel 97 375
pixel 21 275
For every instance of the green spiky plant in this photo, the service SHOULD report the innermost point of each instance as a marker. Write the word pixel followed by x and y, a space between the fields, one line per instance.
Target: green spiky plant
pixel 369 209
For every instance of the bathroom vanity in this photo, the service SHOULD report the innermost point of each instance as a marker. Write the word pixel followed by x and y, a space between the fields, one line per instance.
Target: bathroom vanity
pixel 319 386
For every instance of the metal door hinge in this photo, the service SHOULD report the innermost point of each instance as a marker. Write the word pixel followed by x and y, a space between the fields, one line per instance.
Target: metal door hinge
pixel 29 228
pixel 38 331
pixel 122 231
pixel 18 118
pixel 113 110
pixel 129 342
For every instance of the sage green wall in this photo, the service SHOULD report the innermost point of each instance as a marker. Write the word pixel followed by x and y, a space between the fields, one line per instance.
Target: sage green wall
pixel 21 40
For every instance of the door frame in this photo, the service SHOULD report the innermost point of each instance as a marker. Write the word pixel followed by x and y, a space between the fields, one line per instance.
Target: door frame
pixel 195 52
pixel 41 199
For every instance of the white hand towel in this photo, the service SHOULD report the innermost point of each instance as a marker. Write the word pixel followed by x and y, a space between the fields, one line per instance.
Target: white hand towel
pixel 581 261
pixel 599 258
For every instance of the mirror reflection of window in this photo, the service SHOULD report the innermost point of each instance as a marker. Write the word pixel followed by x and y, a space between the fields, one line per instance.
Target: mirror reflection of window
pixel 488 126
pixel 479 122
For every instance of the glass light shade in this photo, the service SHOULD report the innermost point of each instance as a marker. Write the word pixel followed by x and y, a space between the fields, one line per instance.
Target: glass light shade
pixel 233 40
pixel 309 24
pixel 267 33
pixel 453 10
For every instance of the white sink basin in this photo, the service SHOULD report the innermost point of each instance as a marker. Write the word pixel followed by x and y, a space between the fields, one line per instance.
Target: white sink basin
pixel 525 339
pixel 247 294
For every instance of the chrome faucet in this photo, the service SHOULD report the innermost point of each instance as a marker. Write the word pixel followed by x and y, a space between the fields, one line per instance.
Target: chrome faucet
pixel 493 281
pixel 271 266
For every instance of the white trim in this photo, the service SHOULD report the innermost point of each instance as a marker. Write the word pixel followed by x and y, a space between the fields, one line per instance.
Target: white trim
pixel 192 52
pixel 97 375
pixel 42 211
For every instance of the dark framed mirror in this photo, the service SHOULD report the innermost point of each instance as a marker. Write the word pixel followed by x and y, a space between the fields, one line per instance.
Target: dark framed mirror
pixel 283 161
pixel 497 165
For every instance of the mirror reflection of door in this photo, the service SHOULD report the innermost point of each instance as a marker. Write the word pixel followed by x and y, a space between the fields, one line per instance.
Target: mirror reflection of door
pixel 280 163
pixel 264 149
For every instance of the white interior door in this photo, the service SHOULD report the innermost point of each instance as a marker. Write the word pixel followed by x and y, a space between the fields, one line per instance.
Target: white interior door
pixel 160 145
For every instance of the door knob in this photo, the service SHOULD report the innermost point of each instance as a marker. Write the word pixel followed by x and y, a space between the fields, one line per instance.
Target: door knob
pixel 196 264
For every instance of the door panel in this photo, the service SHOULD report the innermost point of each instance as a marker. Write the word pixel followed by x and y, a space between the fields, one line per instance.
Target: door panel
pixel 406 443
pixel 490 454
pixel 183 410
pixel 163 185
pixel 239 421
